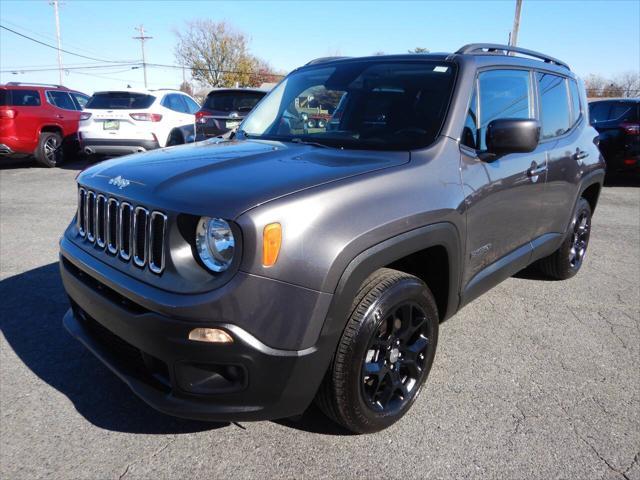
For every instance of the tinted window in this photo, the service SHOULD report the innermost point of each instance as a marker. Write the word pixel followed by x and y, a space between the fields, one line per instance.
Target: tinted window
pixel 503 94
pixel 226 101
pixel 4 98
pixel 384 105
pixel 554 105
pixel 120 101
pixel 192 106
pixel 599 111
pixel 470 130
pixel 576 106
pixel 60 100
pixel 22 98
pixel 81 99
pixel 619 111
pixel 174 102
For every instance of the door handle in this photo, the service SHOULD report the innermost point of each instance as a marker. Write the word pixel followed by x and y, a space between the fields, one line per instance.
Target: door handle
pixel 580 155
pixel 536 170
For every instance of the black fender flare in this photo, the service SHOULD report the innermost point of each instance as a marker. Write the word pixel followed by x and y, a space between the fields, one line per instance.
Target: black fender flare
pixel 443 234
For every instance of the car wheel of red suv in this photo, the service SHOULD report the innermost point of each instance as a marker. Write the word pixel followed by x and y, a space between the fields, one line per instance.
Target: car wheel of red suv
pixel 49 150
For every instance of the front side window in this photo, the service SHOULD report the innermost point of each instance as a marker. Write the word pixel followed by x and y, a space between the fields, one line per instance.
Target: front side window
pixel 120 101
pixel 554 105
pixel 503 94
pixel 378 105
pixel 61 100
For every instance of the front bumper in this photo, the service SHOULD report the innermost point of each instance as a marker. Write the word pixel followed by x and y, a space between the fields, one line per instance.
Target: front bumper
pixel 109 146
pixel 152 354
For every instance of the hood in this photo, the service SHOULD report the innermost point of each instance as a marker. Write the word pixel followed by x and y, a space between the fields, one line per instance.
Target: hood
pixel 227 178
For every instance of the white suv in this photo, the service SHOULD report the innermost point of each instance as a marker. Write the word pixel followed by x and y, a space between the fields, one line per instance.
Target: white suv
pixel 121 122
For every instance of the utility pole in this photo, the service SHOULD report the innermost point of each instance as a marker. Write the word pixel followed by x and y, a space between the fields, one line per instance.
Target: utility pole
pixel 513 38
pixel 142 38
pixel 55 10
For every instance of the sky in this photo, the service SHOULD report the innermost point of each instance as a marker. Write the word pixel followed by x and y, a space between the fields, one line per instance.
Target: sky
pixel 600 37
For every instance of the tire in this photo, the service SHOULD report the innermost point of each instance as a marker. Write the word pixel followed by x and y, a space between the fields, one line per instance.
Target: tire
pixel 565 262
pixel 49 151
pixel 384 354
pixel 175 138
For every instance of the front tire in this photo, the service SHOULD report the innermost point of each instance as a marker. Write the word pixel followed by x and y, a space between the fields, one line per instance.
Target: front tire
pixel 565 262
pixel 49 151
pixel 384 355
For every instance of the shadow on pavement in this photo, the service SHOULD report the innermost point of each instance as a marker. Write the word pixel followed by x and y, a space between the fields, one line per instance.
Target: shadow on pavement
pixel 33 304
pixel 622 180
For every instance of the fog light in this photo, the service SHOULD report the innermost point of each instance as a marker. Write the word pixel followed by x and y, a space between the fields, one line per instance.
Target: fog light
pixel 211 335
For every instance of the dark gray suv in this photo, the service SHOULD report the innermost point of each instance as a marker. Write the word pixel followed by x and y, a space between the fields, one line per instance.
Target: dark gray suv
pixel 241 279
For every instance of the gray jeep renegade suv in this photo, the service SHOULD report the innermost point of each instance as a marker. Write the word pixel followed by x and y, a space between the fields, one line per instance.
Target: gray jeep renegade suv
pixel 240 279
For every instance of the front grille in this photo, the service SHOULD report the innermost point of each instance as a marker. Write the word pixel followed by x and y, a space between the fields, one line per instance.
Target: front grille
pixel 120 228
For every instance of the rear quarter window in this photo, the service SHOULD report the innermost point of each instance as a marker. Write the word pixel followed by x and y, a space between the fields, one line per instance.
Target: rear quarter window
pixel 21 98
pixel 120 101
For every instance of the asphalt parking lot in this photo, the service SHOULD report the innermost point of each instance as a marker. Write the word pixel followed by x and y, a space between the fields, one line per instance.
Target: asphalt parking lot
pixel 536 379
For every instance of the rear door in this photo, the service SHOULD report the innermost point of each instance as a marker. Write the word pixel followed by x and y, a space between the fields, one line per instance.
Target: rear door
pixel 502 197
pixel 65 111
pixel 27 114
pixel 561 114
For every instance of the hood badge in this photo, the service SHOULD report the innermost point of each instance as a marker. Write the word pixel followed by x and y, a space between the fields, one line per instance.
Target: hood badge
pixel 119 182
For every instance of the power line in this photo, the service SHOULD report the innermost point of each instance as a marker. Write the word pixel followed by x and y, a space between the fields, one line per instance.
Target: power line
pixel 56 48
pixel 88 67
pixel 266 74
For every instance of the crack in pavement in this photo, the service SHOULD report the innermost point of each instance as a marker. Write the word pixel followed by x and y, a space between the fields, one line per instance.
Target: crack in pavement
pixel 160 450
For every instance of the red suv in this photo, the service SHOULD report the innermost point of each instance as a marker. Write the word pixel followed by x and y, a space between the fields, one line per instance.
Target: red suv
pixel 39 120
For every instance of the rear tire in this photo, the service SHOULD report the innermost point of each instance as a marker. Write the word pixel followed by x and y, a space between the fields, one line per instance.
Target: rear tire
pixel 49 151
pixel 175 138
pixel 565 262
pixel 384 355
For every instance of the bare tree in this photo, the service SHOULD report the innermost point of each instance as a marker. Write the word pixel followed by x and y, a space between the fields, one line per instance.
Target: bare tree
pixel 186 88
pixel 623 85
pixel 419 50
pixel 218 56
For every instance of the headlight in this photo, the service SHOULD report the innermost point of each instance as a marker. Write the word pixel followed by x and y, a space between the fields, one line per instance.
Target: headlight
pixel 215 243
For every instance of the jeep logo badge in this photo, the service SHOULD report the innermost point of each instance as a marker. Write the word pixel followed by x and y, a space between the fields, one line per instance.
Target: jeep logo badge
pixel 119 182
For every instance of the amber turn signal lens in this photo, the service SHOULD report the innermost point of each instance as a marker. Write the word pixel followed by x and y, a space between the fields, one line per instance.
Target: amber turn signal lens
pixel 271 241
pixel 211 335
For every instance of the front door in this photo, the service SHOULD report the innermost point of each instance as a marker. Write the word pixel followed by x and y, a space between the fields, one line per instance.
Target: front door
pixel 503 196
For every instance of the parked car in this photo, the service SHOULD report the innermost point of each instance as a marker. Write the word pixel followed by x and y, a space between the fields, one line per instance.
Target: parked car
pixel 618 122
pixel 224 109
pixel 240 279
pixel 39 120
pixel 128 121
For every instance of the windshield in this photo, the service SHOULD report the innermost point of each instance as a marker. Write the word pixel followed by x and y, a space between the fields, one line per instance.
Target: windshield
pixel 232 101
pixel 120 101
pixel 389 105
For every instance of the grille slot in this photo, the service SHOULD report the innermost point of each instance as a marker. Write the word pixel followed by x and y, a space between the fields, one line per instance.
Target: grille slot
pixel 124 232
pixel 80 218
pixel 101 215
pixel 120 228
pixel 140 227
pixel 90 215
pixel 112 225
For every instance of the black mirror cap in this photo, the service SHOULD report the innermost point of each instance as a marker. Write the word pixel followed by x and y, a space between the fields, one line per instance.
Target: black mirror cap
pixel 512 135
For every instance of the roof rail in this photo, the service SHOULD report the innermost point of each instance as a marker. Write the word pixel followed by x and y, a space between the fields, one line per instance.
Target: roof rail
pixel 15 84
pixel 322 60
pixel 496 48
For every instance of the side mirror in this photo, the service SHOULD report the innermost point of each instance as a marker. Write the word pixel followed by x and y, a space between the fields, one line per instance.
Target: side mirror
pixel 512 135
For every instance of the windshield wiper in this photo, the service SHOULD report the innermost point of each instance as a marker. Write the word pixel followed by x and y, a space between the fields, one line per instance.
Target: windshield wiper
pixel 306 142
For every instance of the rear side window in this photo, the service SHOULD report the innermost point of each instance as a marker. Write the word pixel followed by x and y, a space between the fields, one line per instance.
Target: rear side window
pixel 81 99
pixel 619 111
pixel 232 101
pixel 174 102
pixel 599 111
pixel 554 105
pixel 120 101
pixel 191 105
pixel 60 100
pixel 20 98
pixel 503 94
pixel 576 104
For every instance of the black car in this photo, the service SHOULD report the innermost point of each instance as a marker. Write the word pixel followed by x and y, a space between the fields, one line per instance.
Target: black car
pixel 618 123
pixel 224 109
